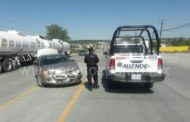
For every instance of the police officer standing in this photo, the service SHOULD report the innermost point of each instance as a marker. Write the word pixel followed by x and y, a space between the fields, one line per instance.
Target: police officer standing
pixel 91 61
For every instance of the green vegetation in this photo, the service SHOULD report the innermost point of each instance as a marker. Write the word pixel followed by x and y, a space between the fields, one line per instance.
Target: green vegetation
pixel 176 41
pixel 87 41
pixel 77 45
pixel 54 31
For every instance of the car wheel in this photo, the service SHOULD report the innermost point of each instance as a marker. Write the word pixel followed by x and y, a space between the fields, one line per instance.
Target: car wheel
pixel 148 85
pixel 39 81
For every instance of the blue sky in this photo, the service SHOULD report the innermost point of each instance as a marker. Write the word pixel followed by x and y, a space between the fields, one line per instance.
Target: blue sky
pixel 93 19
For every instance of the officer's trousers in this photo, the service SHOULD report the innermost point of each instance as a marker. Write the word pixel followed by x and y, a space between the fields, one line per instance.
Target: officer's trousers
pixel 92 71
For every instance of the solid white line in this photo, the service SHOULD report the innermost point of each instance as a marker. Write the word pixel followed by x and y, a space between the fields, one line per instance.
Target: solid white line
pixel 3 77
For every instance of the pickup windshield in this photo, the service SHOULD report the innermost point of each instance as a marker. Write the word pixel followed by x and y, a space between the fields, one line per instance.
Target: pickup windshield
pixel 129 49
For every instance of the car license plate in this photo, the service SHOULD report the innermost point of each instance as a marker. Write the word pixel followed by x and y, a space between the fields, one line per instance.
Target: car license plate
pixel 59 82
pixel 136 77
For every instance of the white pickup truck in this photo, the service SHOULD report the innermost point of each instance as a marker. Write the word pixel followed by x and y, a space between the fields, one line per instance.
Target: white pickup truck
pixel 132 59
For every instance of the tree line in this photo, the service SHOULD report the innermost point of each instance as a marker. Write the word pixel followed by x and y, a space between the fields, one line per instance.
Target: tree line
pixel 177 41
pixel 55 31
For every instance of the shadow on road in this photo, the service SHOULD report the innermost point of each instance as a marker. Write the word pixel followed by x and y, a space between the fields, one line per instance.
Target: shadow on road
pixel 62 86
pixel 132 88
pixel 90 88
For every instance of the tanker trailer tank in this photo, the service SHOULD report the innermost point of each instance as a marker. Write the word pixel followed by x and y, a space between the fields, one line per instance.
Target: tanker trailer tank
pixel 66 47
pixel 10 47
pixel 58 45
pixel 39 41
pixel 46 43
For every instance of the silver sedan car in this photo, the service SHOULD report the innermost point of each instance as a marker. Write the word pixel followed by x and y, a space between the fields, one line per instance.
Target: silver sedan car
pixel 56 69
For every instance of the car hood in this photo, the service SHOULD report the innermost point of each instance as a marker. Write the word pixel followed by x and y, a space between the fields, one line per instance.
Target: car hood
pixel 62 67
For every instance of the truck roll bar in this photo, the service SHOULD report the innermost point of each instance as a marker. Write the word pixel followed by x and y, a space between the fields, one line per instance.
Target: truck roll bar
pixel 141 28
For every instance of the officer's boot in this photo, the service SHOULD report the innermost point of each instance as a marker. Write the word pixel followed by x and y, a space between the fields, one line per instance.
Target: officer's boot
pixel 96 82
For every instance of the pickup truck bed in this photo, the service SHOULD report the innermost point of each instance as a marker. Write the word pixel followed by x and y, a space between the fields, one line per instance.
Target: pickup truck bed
pixel 134 60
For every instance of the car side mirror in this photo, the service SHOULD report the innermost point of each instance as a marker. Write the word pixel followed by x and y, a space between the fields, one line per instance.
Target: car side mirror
pixel 105 53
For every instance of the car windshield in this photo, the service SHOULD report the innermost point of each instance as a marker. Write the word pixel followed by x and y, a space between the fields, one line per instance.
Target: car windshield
pixel 53 59
pixel 129 49
pixel 82 51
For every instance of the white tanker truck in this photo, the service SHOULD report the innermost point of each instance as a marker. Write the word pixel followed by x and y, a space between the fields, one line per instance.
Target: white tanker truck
pixel 65 46
pixel 17 48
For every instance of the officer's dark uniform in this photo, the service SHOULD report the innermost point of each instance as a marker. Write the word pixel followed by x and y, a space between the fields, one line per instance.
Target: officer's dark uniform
pixel 91 61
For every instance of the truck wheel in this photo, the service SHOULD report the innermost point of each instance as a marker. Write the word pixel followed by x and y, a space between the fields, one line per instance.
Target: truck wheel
pixel 0 68
pixel 148 85
pixel 111 83
pixel 7 65
pixel 39 81
pixel 17 62
pixel 17 66
pixel 13 65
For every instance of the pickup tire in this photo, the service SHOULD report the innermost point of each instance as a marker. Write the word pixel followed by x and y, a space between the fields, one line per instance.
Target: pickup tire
pixel 0 68
pixel 148 85
pixel 111 83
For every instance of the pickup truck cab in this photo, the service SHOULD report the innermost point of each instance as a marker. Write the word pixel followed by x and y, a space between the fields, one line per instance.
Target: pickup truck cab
pixel 135 58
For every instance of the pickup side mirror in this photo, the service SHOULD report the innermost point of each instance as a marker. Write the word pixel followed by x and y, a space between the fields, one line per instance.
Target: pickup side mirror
pixel 36 62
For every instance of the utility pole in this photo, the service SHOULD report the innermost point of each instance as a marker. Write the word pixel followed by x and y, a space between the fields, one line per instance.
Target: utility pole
pixel 161 27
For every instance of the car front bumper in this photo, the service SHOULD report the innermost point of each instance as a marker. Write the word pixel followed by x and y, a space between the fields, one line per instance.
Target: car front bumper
pixel 51 80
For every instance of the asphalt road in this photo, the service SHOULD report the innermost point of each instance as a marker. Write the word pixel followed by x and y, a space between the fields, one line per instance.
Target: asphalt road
pixel 21 100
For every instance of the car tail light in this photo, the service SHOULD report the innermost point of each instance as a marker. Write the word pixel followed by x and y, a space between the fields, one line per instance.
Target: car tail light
pixel 160 63
pixel 112 64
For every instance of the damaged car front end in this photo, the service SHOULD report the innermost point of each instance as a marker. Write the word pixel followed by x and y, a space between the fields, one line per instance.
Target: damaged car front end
pixel 56 70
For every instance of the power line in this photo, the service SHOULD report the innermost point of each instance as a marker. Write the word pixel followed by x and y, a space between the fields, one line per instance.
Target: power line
pixel 161 27
pixel 24 26
pixel 177 27
pixel 4 26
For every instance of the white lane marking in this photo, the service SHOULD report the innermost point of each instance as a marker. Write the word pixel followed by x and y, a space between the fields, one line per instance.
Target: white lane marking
pixel 3 77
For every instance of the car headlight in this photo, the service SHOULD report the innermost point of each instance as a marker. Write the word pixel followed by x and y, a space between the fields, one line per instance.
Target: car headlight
pixel 47 72
pixel 77 71
pixel 51 72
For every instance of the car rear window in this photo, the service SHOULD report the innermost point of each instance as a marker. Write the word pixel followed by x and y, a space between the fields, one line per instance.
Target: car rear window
pixel 82 51
pixel 129 49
